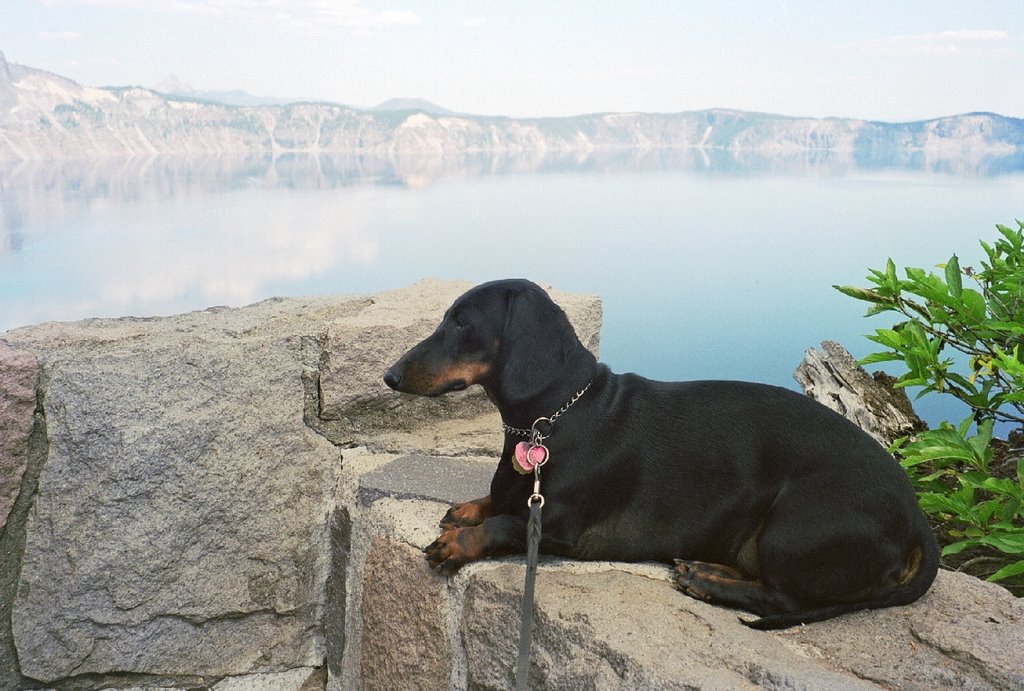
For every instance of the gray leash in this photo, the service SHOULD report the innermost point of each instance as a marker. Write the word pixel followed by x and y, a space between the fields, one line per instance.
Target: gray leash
pixel 533 532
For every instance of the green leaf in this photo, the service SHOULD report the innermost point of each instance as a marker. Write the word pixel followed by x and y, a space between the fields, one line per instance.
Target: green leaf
pixel 1008 544
pixel 1014 569
pixel 874 358
pixel 973 306
pixel 879 308
pixel 946 445
pixel 963 382
pixel 955 548
pixel 890 338
pixel 1012 508
pixel 930 287
pixel 862 294
pixel 953 277
pixel 981 444
pixel 1003 488
pixel 1014 237
pixel 1006 326
pixel 998 310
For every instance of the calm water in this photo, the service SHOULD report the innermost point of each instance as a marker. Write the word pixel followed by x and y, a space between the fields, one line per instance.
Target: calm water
pixel 706 269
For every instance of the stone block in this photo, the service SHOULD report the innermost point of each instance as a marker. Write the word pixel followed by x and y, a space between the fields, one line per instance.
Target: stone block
pixel 19 372
pixel 180 522
pixel 612 629
pixel 963 633
pixel 448 480
pixel 405 643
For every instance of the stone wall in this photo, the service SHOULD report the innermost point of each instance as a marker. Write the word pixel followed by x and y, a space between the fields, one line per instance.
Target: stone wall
pixel 608 625
pixel 232 499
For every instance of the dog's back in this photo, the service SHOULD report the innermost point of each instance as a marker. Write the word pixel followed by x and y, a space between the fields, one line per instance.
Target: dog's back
pixel 790 493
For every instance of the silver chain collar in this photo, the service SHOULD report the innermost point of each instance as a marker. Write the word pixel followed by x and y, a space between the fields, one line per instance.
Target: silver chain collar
pixel 520 432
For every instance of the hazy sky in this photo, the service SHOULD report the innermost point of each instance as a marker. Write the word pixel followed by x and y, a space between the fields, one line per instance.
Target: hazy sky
pixel 886 60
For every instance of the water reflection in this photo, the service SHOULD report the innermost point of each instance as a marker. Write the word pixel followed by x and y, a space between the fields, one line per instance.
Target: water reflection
pixel 33 191
pixel 178 252
pixel 671 238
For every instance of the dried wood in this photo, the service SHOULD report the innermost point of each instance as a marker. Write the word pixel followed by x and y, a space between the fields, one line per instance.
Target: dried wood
pixel 832 377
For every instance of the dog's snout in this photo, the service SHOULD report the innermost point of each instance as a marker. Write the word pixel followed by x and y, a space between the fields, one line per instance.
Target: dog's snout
pixel 392 378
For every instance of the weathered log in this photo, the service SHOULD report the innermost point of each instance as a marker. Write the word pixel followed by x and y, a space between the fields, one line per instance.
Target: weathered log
pixel 832 377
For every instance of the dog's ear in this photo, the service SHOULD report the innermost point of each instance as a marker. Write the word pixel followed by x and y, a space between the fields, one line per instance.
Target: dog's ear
pixel 537 342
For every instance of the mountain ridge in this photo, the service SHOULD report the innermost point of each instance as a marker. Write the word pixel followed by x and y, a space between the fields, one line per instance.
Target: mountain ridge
pixel 420 104
pixel 47 116
pixel 172 86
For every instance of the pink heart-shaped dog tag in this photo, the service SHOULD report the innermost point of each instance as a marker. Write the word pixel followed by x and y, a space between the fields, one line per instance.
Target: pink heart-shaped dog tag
pixel 528 456
pixel 521 460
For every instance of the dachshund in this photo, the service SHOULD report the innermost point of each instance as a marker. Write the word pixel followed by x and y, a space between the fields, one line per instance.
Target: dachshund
pixel 764 499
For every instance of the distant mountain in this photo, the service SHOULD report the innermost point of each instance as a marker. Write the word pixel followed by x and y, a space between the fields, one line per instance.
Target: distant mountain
pixel 45 116
pixel 172 86
pixel 418 104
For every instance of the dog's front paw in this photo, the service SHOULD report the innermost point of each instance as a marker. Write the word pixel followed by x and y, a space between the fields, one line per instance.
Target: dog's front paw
pixel 453 548
pixel 453 518
pixel 466 514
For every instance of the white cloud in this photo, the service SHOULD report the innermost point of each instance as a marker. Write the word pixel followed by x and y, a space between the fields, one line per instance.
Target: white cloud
pixel 969 41
pixel 474 22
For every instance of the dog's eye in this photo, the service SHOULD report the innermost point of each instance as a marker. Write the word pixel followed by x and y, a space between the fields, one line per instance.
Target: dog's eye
pixel 460 320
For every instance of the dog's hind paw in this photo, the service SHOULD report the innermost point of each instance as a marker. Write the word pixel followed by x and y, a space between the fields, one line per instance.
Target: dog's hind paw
pixel 685 579
pixel 705 581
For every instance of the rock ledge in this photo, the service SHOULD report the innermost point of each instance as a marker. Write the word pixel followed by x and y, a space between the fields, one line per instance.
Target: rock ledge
pixel 231 499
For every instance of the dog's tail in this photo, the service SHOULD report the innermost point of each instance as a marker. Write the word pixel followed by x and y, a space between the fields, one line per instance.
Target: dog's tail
pixel 911 583
pixel 787 619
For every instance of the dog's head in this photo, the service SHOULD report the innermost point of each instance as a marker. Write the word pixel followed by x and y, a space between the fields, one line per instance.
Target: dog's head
pixel 507 336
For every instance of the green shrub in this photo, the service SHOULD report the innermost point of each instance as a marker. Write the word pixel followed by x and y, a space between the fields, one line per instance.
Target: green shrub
pixel 963 341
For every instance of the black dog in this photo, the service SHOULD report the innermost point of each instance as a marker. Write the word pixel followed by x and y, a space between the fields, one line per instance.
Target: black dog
pixel 778 505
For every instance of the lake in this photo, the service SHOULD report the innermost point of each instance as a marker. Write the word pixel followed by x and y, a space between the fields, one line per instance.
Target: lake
pixel 707 268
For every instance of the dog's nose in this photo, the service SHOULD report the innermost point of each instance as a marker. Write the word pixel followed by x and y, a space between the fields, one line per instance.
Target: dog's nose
pixel 392 378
